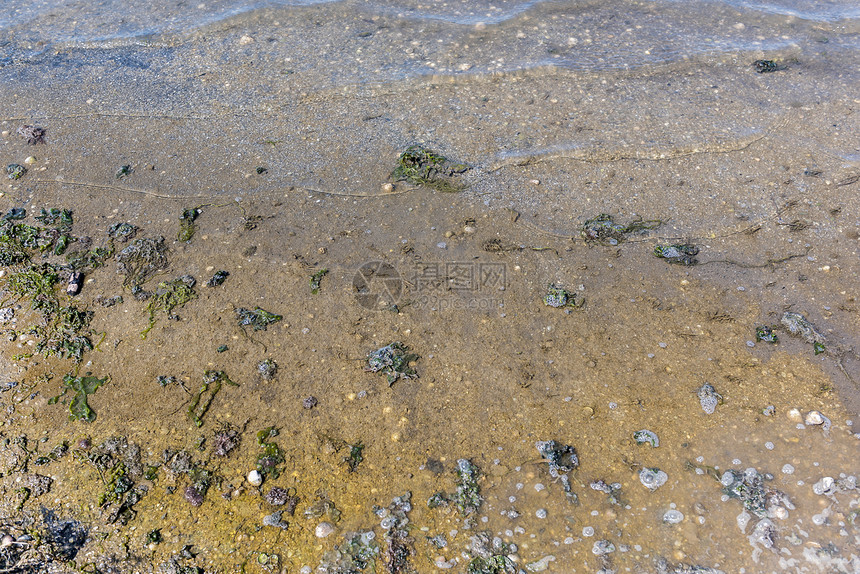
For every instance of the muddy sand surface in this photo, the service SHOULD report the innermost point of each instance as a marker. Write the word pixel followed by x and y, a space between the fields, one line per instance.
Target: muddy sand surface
pixel 246 162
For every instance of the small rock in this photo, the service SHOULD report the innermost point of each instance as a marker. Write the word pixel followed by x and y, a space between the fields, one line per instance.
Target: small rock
pixel 387 187
pixel 30 160
pixel 255 478
pixel 814 418
pixel 310 402
pixel 323 529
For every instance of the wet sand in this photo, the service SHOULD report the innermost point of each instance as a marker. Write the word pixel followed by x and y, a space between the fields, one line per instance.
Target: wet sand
pixel 757 170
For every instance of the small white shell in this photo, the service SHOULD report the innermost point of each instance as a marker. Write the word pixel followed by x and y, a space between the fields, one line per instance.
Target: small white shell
pixel 323 529
pixel 255 478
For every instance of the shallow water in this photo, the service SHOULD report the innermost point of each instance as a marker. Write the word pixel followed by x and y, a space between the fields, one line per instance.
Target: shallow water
pixel 562 111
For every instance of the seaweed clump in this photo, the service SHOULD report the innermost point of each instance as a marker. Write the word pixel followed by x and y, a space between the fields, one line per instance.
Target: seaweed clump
pixel 766 334
pixel 272 455
pixel 15 171
pixel 678 253
pixel 315 280
pixel 140 260
pixel 766 66
pixel 467 498
pixel 63 329
pixel 122 232
pixel 395 522
pixel 212 381
pixel 79 408
pixel 749 487
pixel 259 318
pixel 393 360
pixel 33 134
pixel 799 326
pixel 604 229
pixel 422 167
pixel 218 279
pixel 168 296
pixel 562 459
pixel 119 464
pixel 358 551
pixel 187 227
pixel 559 297
pixel 490 555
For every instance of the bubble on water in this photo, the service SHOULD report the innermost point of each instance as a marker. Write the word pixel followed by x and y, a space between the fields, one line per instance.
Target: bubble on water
pixel 825 486
pixel 787 469
pixel 673 517
pixel 541 513
pixel 652 478
pixel 588 531
pixel 602 548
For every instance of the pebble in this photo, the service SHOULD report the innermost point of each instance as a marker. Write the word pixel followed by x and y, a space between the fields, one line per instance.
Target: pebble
pixel 814 418
pixel 795 416
pixel 470 229
pixel 387 187
pixel 541 513
pixel 323 529
pixel 787 469
pixel 30 160
pixel 255 478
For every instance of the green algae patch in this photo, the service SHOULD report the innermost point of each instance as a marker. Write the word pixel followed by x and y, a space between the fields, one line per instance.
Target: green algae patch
pixel 200 403
pixel 36 284
pixel 15 171
pixel 63 330
pixel 92 259
pixel 315 280
pixel 422 167
pixel 55 216
pixel 559 297
pixel 355 456
pixel 766 334
pixel 259 318
pixel 467 498
pixel 187 227
pixel 271 455
pixel 604 229
pixel 168 296
pixel 122 231
pixel 79 408
pixel 394 361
